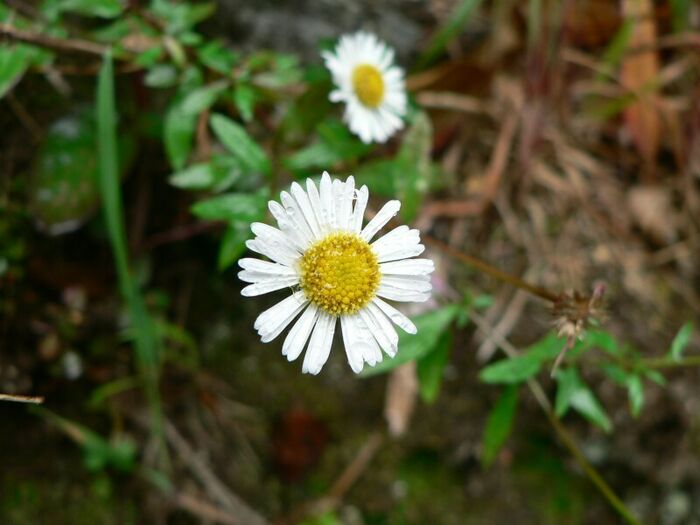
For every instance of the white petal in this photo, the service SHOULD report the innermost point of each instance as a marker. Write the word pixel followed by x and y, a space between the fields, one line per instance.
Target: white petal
pixel 267 267
pixel 353 352
pixel 411 283
pixel 272 321
pixel 280 256
pixel 399 237
pixel 388 211
pixel 358 213
pixel 296 339
pixel 344 202
pixel 381 328
pixel 260 287
pixel 408 267
pixel 401 294
pixel 297 236
pixel 295 215
pixel 315 202
pixel 302 200
pixel 271 235
pixel 320 344
pixel 396 317
pixel 395 253
pixel 327 201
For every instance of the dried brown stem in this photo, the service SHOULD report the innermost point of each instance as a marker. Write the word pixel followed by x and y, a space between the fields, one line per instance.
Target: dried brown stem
pixel 34 400
pixel 485 267
pixel 57 44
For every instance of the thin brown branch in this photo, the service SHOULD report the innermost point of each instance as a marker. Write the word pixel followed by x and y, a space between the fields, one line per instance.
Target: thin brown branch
pixel 70 45
pixel 34 400
pixel 485 267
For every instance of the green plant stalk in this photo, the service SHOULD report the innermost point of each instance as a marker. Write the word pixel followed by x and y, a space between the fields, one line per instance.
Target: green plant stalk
pixel 561 431
pixel 666 362
pixel 146 341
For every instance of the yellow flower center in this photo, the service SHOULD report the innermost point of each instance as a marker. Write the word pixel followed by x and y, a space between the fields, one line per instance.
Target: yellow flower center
pixel 340 273
pixel 368 84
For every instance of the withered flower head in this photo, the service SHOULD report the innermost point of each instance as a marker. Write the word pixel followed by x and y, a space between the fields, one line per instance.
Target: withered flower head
pixel 573 313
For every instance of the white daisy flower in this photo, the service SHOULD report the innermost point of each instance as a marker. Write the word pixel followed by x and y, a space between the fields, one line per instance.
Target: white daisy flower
pixel 369 83
pixel 323 255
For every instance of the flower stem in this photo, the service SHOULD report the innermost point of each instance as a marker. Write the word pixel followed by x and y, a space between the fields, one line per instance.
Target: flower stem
pixel 665 362
pixel 486 268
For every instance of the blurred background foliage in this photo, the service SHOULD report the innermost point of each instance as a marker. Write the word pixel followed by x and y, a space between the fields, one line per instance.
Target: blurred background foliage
pixel 559 140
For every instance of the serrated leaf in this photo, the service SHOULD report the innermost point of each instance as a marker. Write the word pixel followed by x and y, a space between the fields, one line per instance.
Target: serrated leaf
pixel 499 424
pixel 236 139
pixel 681 341
pixel 430 326
pixel 431 367
pixel 231 207
pixel 572 392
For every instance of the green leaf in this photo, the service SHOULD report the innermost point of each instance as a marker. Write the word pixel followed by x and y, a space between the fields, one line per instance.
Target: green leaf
pixel 216 56
pixel 161 76
pixel 655 376
pixel 335 144
pixel 600 339
pixel 232 207
pixel 431 367
pixel 63 187
pixel 454 25
pixel 217 175
pixel 244 98
pixel 414 166
pixel 499 424
pixel 511 371
pixel 635 392
pixel 681 14
pixel 573 392
pixel 202 98
pixel 146 342
pixel 681 341
pixel 235 138
pixel 616 373
pixel 178 130
pixel 430 327
pixel 519 369
pixel 14 61
pixel 96 8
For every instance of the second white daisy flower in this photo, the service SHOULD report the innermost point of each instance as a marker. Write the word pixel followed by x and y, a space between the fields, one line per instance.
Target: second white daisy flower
pixel 323 254
pixel 369 84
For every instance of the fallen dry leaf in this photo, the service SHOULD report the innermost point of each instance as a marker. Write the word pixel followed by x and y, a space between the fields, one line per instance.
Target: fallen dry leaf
pixel 639 72
pixel 401 393
pixel 652 209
